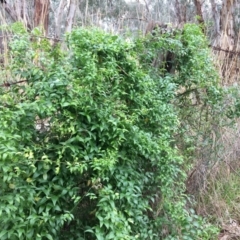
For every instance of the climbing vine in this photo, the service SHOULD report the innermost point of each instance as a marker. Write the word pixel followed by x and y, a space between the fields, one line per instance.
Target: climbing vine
pixel 87 147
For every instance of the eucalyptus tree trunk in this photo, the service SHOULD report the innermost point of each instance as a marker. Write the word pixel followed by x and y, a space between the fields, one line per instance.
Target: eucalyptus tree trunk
pixel 41 14
pixel 198 6
pixel 216 20
pixel 180 11
pixel 16 11
pixel 55 17
pixel 224 32
pixel 225 45
pixel 31 13
pixel 59 15
pixel 226 26
pixel 71 14
pixel 226 17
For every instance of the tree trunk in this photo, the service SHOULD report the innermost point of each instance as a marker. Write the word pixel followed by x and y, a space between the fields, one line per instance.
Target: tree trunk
pixel 226 25
pixel 225 45
pixel 71 14
pixel 41 14
pixel 59 17
pixel 198 6
pixel 178 11
pixel 216 20
pixel 181 11
pixel 10 11
pixel 18 12
pixel 226 18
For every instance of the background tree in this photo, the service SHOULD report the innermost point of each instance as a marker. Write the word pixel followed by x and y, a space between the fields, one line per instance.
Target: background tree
pixel 41 14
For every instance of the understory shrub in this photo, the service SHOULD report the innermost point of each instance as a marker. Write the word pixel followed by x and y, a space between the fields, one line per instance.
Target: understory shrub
pixel 87 144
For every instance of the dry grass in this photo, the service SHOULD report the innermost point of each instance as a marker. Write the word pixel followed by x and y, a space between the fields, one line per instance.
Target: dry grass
pixel 221 179
pixel 215 178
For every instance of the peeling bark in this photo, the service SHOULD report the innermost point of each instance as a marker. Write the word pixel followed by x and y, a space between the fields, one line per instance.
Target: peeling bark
pixel 226 18
pixel 41 14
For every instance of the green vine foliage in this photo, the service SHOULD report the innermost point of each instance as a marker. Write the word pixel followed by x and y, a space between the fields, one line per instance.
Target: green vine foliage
pixel 87 143
pixel 200 101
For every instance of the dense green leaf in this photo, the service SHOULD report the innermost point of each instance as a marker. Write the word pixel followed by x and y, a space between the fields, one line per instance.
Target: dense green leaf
pixel 88 147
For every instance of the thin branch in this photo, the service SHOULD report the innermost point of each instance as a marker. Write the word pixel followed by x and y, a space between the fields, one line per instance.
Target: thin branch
pixel 7 84
pixel 140 19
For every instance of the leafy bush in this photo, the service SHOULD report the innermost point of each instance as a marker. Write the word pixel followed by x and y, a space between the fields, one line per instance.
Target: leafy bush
pixel 86 144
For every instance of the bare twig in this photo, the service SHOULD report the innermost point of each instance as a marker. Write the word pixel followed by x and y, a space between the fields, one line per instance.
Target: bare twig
pixel 7 84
